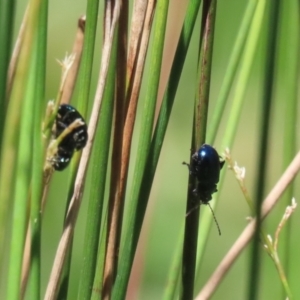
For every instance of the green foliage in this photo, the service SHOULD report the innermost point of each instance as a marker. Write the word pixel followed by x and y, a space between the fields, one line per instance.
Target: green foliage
pixel 154 81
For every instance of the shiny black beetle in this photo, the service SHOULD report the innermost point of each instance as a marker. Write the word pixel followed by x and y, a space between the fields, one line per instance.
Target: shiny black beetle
pixel 66 115
pixel 74 141
pixel 62 158
pixel 206 166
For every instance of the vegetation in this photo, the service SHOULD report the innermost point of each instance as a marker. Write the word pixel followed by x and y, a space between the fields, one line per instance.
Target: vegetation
pixel 154 80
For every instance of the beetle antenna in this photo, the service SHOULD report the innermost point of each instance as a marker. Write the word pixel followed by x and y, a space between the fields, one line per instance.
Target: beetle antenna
pixel 214 218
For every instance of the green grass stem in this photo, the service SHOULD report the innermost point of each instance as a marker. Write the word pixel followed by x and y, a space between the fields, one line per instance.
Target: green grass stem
pixel 21 191
pixel 158 137
pixel 172 285
pixel 233 119
pixel 290 47
pixel 7 9
pixel 84 82
pixel 38 153
pixel 21 196
pixel 234 115
pixel 98 279
pixel 132 229
pixel 100 157
pixel 263 145
pixel 86 65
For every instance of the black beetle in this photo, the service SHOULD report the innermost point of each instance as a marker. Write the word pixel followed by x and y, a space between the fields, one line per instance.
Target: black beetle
pixel 62 158
pixel 66 115
pixel 206 166
pixel 74 141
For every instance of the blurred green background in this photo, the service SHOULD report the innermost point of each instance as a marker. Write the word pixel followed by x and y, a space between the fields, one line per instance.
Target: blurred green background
pixel 166 210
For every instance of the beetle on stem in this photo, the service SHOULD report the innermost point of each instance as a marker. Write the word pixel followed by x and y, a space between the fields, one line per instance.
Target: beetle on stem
pixel 205 166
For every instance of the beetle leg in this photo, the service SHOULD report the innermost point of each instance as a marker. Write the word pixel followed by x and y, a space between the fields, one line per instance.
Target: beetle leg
pixel 188 165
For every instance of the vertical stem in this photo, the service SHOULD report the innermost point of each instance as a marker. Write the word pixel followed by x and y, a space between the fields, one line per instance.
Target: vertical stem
pixel 130 241
pixel 38 150
pixel 201 109
pixel 84 55
pixel 291 33
pixel 6 34
pixel 24 154
pixel 269 75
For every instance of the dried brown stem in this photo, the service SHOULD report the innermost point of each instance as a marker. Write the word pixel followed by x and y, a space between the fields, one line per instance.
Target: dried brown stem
pixel 248 232
pixel 133 94
pixel 137 26
pixel 116 207
pixel 73 72
pixel 15 55
pixel 119 120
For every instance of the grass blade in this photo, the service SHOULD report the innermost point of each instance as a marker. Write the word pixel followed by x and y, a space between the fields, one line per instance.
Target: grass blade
pixel 130 241
pixel 267 98
pixel 199 133
pixel 233 118
pixel 95 209
pixel 290 48
pixel 67 93
pixel 21 191
pixel 72 214
pixel 38 153
pixel 7 9
pixel 144 142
